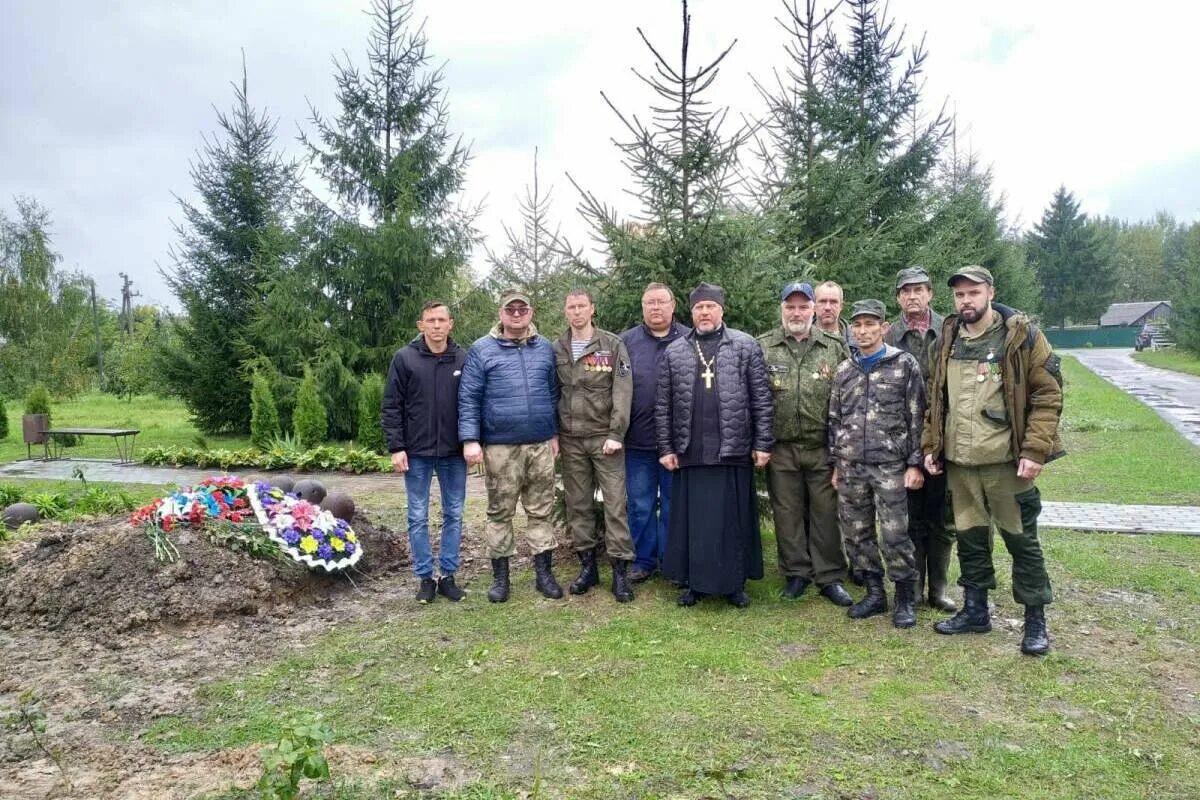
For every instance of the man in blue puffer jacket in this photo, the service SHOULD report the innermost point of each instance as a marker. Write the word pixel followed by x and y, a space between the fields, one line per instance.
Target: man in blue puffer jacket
pixel 506 420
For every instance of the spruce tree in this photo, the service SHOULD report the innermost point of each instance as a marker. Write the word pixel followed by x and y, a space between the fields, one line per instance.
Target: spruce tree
pixel 3 419
pixel 370 406
pixel 1072 263
pixel 685 171
pixel 264 417
pixel 389 159
pixel 232 243
pixel 309 422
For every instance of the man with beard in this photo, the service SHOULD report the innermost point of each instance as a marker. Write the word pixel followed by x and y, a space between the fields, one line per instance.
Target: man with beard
pixel 995 398
pixel 595 387
pixel 713 422
pixel 801 361
pixel 917 331
pixel 647 482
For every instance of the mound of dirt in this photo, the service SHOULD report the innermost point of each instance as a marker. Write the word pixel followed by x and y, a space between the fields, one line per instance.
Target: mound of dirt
pixel 103 576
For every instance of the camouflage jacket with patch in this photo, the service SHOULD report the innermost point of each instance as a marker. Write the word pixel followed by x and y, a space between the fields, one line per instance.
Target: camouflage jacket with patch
pixel 876 416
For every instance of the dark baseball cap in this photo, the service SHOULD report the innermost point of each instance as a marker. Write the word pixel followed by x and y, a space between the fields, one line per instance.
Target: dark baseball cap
pixel 973 273
pixel 910 275
pixel 873 308
pixel 795 286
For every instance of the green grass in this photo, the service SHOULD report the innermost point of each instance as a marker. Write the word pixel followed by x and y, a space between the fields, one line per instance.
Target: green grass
pixel 161 421
pixel 588 699
pixel 1118 450
pixel 1175 359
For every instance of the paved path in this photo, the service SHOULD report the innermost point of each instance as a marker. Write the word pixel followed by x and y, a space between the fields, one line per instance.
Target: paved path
pixel 1174 395
pixel 1075 516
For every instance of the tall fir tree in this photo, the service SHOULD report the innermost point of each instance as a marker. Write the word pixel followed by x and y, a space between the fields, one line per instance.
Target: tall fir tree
pixel 1181 259
pixel 394 167
pixel 539 259
pixel 690 226
pixel 1073 265
pixel 848 161
pixel 232 244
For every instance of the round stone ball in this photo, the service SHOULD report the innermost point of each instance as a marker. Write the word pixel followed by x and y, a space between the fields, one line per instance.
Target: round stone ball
pixel 311 490
pixel 19 513
pixel 285 482
pixel 340 504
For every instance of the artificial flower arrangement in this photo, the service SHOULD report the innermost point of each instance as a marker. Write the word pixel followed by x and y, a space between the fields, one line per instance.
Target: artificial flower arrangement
pixel 308 533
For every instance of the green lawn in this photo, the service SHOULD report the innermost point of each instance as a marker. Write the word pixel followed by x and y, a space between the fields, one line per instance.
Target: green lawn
pixel 1176 359
pixel 1118 450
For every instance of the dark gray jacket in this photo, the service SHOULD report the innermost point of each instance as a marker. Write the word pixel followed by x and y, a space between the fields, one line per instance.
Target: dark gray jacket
pixel 743 393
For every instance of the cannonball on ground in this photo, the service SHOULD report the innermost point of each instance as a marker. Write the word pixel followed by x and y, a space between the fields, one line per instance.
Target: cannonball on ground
pixel 19 513
pixel 311 490
pixel 340 504
pixel 285 482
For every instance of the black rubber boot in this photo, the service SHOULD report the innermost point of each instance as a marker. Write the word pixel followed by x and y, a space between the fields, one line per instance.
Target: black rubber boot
pixel 589 576
pixel 920 554
pixel 939 565
pixel 874 603
pixel 794 587
pixel 1036 641
pixel 499 591
pixel 622 589
pixel 545 582
pixel 972 619
pixel 905 613
pixel 427 592
pixel 448 589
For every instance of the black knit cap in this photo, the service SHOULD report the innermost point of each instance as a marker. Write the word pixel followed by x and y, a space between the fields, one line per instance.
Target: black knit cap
pixel 707 291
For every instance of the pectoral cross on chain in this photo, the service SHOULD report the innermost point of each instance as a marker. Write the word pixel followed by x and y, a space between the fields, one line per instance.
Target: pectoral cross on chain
pixel 708 376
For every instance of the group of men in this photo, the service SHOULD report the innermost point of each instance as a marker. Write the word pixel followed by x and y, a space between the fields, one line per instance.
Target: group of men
pixel 858 425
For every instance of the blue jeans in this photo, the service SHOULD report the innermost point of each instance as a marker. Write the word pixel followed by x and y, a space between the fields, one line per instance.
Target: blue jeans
pixel 452 478
pixel 648 489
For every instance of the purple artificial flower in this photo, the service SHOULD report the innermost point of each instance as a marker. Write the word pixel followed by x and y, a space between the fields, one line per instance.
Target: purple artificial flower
pixel 325 552
pixel 350 548
pixel 291 536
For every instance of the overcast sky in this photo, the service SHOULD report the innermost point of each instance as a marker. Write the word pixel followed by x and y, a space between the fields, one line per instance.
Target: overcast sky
pixel 103 104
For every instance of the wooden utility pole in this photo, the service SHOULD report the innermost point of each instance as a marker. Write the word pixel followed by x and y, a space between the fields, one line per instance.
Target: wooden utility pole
pixel 99 341
pixel 127 303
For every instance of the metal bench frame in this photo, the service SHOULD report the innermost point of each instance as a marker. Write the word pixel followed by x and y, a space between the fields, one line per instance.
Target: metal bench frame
pixel 123 437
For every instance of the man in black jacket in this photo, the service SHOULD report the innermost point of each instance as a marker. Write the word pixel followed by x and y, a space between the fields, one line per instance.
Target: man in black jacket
pixel 420 420
pixel 713 422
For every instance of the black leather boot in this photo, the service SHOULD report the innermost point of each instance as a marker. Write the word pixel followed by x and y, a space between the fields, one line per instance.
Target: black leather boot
pixel 1036 641
pixel 589 576
pixel 905 613
pixel 499 591
pixel 794 586
pixel 544 581
pixel 622 589
pixel 939 565
pixel 972 619
pixel 874 603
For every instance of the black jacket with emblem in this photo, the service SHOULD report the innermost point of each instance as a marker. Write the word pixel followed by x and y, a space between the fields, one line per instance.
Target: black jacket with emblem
pixel 420 400
pixel 595 390
pixel 747 411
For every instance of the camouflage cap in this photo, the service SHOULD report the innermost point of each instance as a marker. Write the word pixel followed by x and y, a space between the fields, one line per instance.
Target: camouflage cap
pixel 973 273
pixel 872 308
pixel 512 294
pixel 910 275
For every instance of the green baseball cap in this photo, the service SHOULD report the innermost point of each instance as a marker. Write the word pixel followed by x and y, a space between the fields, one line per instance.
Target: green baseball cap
pixel 511 295
pixel 871 308
pixel 910 275
pixel 973 273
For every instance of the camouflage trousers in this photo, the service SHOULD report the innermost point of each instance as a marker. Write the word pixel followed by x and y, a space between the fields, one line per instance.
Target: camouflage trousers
pixel 868 493
pixel 584 466
pixel 524 472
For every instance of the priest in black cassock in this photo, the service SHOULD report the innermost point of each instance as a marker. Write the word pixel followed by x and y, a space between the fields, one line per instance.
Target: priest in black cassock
pixel 713 420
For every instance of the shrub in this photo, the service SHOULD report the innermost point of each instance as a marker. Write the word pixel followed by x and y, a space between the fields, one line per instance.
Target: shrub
pixel 264 416
pixel 3 420
pixel 38 400
pixel 339 394
pixel 370 403
pixel 309 420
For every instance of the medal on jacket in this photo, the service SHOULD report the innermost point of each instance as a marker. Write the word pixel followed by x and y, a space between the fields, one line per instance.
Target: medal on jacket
pixel 981 372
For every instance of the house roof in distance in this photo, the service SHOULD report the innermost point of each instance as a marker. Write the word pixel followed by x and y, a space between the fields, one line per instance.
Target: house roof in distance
pixel 1130 313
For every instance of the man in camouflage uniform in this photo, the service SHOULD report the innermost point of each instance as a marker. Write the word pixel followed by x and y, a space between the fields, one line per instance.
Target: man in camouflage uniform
pixel 506 421
pixel 875 413
pixel 994 406
pixel 801 360
pixel 917 330
pixel 595 390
